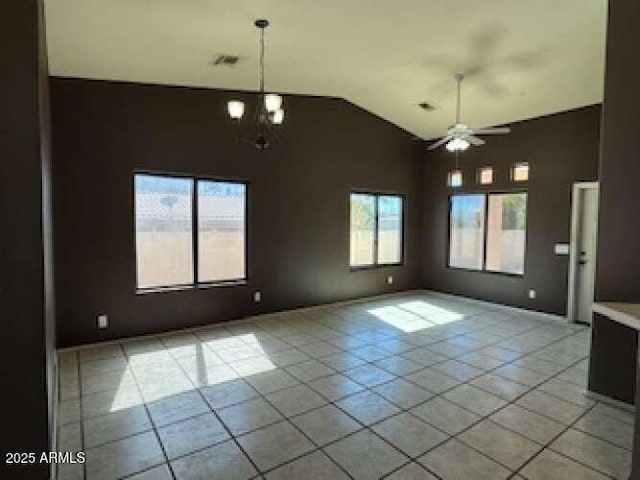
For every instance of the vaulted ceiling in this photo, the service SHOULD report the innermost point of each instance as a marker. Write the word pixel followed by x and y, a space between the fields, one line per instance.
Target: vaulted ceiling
pixel 523 58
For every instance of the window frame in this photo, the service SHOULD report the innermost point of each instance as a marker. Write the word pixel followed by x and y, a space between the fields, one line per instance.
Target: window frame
pixel 479 172
pixel 377 195
pixel 194 284
pixel 512 172
pixel 485 233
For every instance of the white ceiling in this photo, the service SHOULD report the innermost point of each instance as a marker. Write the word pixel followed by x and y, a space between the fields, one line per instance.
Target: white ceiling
pixel 526 57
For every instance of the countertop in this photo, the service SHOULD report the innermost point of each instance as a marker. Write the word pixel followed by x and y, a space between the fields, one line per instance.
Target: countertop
pixel 626 313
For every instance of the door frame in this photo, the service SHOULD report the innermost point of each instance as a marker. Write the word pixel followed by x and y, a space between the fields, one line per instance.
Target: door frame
pixel 576 209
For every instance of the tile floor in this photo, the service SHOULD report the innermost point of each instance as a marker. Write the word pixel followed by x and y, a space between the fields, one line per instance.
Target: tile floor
pixel 412 386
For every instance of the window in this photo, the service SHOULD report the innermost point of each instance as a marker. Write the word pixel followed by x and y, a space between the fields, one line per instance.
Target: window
pixel 221 231
pixel 488 232
pixel 164 229
pixel 466 231
pixel 389 229
pixel 485 176
pixel 376 229
pixel 520 172
pixel 506 232
pixel 454 178
pixel 188 231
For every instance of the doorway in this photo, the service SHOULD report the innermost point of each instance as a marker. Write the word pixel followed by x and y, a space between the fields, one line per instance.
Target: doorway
pixel 582 255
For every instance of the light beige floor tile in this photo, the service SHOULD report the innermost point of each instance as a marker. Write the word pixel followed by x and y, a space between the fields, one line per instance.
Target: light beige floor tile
pixel 70 437
pixel 295 400
pixel 271 381
pixel 124 457
pixel 68 411
pixel 248 416
pixel 528 423
pixel 335 387
pixel 424 356
pixel 413 471
pixel 598 454
pixel 220 462
pixel 402 393
pixel 365 456
pixel 315 466
pixel 192 434
pixel 398 365
pixel 309 370
pixel 367 407
pixel 550 406
pixel 521 375
pixel 114 426
pixel 608 428
pixel 160 472
pixel 567 391
pixel 326 424
pixel 70 471
pixel 502 445
pixel 228 393
pixel 456 461
pixel 432 380
pixel 445 415
pixel 500 386
pixel 552 466
pixel 177 407
pixel 617 413
pixel 369 375
pixel 409 434
pixel 458 370
pixel 100 352
pixel 275 445
pixel 474 399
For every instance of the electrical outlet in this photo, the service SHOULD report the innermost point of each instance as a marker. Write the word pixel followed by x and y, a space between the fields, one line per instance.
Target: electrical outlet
pixel 103 321
pixel 257 296
pixel 390 280
pixel 532 293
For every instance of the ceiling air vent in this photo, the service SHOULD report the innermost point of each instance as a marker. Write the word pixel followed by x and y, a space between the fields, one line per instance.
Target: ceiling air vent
pixel 427 107
pixel 222 59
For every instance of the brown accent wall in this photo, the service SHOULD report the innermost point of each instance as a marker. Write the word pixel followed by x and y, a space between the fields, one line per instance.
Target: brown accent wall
pixel 26 276
pixel 298 251
pixel 561 149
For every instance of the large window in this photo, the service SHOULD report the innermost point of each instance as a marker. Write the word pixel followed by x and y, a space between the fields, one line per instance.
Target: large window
pixel 376 229
pixel 466 238
pixel 188 231
pixel 488 232
pixel 506 232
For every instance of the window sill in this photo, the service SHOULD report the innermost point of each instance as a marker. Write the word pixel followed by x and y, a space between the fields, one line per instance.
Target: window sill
pixel 374 267
pixel 199 286
pixel 490 272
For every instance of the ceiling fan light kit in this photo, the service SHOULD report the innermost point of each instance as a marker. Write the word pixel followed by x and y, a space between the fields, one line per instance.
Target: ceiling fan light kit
pixel 269 113
pixel 460 136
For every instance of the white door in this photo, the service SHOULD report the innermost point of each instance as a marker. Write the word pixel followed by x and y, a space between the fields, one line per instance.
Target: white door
pixel 585 258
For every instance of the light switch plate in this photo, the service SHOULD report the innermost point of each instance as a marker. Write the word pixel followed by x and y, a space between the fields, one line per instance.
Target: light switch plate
pixel 257 296
pixel 390 280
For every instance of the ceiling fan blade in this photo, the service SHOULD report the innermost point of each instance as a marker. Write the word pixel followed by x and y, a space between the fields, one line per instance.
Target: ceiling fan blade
pixel 475 141
pixel 493 131
pixel 440 142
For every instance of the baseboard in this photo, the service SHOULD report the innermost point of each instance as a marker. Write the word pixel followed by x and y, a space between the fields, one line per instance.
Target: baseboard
pixel 501 306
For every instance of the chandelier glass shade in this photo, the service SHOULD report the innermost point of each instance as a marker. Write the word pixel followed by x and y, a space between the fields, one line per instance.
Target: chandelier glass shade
pixel 269 112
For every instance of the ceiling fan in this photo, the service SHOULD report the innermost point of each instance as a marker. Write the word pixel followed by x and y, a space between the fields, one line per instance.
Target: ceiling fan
pixel 460 136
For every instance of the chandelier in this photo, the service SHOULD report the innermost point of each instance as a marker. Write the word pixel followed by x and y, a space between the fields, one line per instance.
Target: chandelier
pixel 268 115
